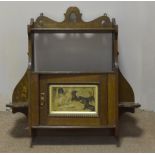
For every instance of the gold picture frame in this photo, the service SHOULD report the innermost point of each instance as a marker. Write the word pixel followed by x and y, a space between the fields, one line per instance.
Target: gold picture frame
pixel 73 100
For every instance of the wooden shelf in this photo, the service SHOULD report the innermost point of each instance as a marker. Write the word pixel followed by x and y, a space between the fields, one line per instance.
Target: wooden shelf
pixel 71 127
pixel 129 105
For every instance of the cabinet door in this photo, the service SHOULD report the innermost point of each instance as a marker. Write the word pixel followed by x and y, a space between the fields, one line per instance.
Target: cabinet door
pixel 73 100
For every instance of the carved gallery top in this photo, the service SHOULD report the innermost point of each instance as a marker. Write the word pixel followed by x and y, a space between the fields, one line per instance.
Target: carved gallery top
pixel 73 45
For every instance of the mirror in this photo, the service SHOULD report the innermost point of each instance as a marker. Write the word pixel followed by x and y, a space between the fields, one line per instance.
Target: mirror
pixel 75 52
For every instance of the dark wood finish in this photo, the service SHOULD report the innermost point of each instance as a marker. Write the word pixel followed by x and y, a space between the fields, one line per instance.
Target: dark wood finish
pixel 73 132
pixel 34 99
pixel 20 93
pixel 114 90
pixel 101 80
pixel 72 127
pixel 45 23
pixel 126 93
pixel 127 107
pixel 112 99
pixel 20 107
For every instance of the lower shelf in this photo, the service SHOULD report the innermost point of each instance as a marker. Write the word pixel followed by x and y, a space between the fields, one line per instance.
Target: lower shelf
pixel 73 131
pixel 72 127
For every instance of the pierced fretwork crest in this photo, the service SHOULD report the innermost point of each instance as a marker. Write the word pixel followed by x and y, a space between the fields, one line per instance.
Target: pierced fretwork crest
pixel 73 19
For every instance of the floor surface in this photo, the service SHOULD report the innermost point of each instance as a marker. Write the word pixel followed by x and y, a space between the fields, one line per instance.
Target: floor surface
pixel 137 134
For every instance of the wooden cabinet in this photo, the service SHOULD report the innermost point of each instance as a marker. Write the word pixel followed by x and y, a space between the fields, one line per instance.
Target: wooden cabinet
pixel 78 59
pixel 107 100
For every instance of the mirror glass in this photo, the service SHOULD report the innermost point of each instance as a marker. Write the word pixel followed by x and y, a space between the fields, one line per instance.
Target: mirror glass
pixel 75 52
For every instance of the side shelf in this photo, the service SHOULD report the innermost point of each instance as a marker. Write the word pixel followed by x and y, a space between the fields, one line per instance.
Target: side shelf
pixel 128 107
pixel 20 96
pixel 126 96
pixel 19 107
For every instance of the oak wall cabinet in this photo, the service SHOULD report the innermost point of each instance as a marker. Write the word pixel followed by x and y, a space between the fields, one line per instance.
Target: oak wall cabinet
pixel 73 81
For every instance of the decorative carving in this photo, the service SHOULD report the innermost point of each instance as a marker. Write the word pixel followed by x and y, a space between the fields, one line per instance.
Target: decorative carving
pixel 73 11
pixel 73 20
pixel 20 96
pixel 20 93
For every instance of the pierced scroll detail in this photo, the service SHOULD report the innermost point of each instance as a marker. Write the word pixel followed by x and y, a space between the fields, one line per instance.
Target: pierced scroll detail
pixel 73 15
pixel 73 19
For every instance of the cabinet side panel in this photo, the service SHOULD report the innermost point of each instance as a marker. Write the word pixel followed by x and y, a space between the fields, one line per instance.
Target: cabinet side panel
pixel 34 99
pixel 112 99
